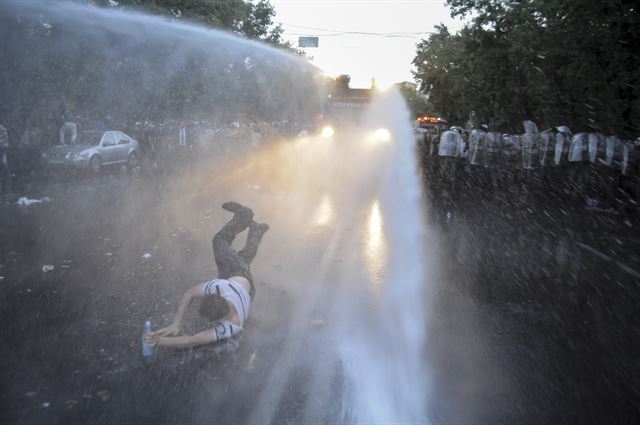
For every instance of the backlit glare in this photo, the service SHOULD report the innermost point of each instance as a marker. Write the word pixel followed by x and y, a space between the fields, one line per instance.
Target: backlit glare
pixel 381 135
pixel 382 85
pixel 327 132
pixel 375 244
pixel 324 213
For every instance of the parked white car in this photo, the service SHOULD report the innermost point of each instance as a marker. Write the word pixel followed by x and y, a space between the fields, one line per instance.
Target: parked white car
pixel 94 150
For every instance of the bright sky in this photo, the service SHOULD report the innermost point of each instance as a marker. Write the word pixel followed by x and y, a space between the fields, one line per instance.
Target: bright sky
pixel 385 57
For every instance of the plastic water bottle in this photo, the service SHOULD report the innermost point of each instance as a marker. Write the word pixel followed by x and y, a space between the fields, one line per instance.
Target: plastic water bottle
pixel 147 350
pixel 252 359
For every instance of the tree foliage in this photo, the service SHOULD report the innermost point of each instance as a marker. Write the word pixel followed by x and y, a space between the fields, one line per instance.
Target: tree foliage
pixel 134 69
pixel 555 62
pixel 249 19
pixel 416 101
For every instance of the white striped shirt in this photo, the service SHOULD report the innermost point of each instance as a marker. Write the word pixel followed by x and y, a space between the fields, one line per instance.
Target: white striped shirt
pixel 238 296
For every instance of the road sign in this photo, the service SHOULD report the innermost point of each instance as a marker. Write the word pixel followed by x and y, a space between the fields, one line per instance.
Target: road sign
pixel 307 41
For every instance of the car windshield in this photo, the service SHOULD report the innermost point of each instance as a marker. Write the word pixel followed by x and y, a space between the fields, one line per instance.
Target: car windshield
pixel 91 138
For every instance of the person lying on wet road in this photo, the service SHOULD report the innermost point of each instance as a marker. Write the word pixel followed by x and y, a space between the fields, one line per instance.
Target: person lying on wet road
pixel 224 301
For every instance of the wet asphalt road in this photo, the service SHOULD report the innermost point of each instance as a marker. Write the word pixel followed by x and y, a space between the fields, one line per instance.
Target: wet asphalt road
pixel 532 320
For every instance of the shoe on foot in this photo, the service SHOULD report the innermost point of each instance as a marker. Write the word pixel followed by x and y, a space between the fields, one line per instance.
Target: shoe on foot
pixel 239 209
pixel 260 227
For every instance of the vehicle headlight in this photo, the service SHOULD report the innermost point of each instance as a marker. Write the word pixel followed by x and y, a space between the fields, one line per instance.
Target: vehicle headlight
pixel 328 132
pixel 381 135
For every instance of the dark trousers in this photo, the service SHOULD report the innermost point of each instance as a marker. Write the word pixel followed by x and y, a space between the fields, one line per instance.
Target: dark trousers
pixel 5 178
pixel 229 262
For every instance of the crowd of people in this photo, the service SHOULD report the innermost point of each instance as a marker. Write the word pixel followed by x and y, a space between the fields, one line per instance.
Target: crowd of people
pixel 585 169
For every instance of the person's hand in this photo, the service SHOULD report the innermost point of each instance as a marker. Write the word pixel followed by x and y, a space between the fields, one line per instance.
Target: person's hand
pixel 170 330
pixel 151 340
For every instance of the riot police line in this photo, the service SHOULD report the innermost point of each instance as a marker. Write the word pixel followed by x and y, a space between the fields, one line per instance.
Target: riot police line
pixel 555 166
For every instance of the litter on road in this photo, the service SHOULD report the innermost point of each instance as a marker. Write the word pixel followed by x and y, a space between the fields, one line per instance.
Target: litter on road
pixel 252 359
pixel 47 268
pixel 146 256
pixel 23 201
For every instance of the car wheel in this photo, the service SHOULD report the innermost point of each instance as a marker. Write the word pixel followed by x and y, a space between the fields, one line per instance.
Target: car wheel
pixel 95 163
pixel 132 162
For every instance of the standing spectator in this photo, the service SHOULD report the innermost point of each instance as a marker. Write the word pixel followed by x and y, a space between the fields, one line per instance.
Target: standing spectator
pixel 256 137
pixel 101 125
pixel 182 136
pixel 29 153
pixel 68 126
pixel 184 145
pixel 5 175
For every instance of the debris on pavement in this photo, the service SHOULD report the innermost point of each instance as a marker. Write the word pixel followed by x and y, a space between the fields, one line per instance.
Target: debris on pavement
pixel 104 395
pixel 23 201
pixel 47 268
pixel 252 359
pixel 146 256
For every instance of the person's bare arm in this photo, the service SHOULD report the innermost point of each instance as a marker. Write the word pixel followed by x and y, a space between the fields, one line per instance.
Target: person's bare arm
pixel 185 341
pixel 174 328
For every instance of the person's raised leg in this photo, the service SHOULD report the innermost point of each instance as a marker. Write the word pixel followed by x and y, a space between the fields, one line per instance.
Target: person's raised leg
pixel 256 232
pixel 242 218
pixel 248 253
pixel 227 259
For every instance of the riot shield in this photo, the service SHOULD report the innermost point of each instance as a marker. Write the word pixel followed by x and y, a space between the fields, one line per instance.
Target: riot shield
pixel 420 135
pixel 545 148
pixel 561 148
pixel 476 147
pixel 529 146
pixel 612 152
pixel 449 143
pixel 530 127
pixel 492 149
pixel 627 155
pixel 462 146
pixel 511 151
pixel 578 148
pixel 595 147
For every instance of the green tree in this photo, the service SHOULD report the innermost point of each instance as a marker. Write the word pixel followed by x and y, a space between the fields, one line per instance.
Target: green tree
pixel 50 60
pixel 416 101
pixel 249 19
pixel 259 24
pixel 553 61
